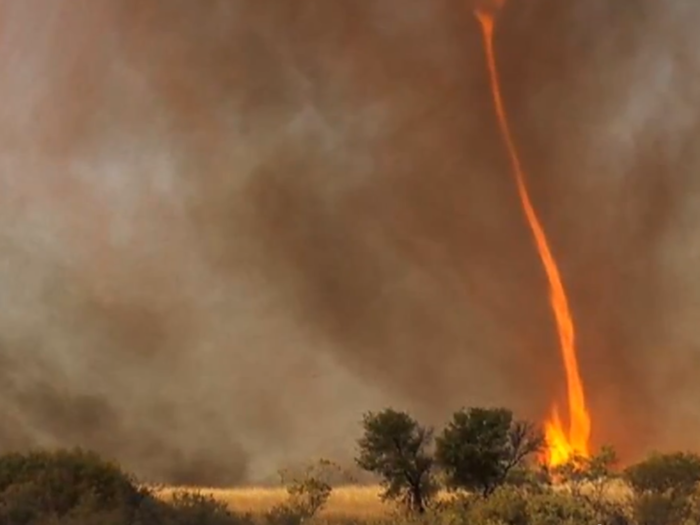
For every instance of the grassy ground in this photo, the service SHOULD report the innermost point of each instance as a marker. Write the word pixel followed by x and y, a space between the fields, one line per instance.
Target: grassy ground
pixel 350 501
pixel 345 502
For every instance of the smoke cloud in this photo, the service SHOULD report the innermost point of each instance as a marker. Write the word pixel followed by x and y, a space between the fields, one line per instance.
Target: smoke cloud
pixel 229 230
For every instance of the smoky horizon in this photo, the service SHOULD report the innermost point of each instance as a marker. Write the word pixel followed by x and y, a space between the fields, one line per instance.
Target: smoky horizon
pixel 229 231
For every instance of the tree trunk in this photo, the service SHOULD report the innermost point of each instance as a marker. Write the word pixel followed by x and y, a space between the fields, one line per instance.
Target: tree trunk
pixel 417 500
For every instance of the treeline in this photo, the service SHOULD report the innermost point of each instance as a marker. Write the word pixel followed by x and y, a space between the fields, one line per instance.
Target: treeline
pixel 478 450
pixel 488 461
pixel 480 469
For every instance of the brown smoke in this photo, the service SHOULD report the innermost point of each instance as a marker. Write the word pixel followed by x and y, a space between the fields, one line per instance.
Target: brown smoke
pixel 229 229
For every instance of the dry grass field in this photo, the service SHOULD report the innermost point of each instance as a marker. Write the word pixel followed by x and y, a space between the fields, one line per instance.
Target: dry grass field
pixel 345 502
pixel 349 501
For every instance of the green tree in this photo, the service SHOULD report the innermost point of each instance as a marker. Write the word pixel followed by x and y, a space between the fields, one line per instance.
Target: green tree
pixel 481 446
pixel 395 447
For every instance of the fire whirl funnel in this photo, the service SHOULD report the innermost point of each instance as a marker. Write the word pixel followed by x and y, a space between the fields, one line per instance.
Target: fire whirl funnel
pixel 561 445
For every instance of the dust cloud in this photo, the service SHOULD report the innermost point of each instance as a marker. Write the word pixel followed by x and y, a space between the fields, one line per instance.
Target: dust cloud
pixel 228 230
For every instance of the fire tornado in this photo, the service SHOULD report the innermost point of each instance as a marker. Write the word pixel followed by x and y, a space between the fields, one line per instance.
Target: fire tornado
pixel 561 445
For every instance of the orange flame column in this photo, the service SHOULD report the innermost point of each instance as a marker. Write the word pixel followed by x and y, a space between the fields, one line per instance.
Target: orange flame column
pixel 562 446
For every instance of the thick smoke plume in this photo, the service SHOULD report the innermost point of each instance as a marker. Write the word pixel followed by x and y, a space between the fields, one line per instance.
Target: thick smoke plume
pixel 230 227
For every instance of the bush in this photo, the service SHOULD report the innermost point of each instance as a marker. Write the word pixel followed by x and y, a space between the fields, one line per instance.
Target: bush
pixel 307 493
pixel 677 474
pixel 660 509
pixel 79 488
pixel 58 483
pixel 552 508
pixel 509 505
pixel 531 478
pixel 194 508
pixel 664 486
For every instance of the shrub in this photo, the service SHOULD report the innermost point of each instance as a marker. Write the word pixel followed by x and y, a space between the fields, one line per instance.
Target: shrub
pixel 58 483
pixel 307 493
pixel 660 509
pixel 78 488
pixel 533 478
pixel 594 474
pixel 557 508
pixel 194 508
pixel 509 505
pixel 664 485
pixel 677 473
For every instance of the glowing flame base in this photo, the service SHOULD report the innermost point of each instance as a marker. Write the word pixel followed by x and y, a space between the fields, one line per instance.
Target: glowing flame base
pixel 562 447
